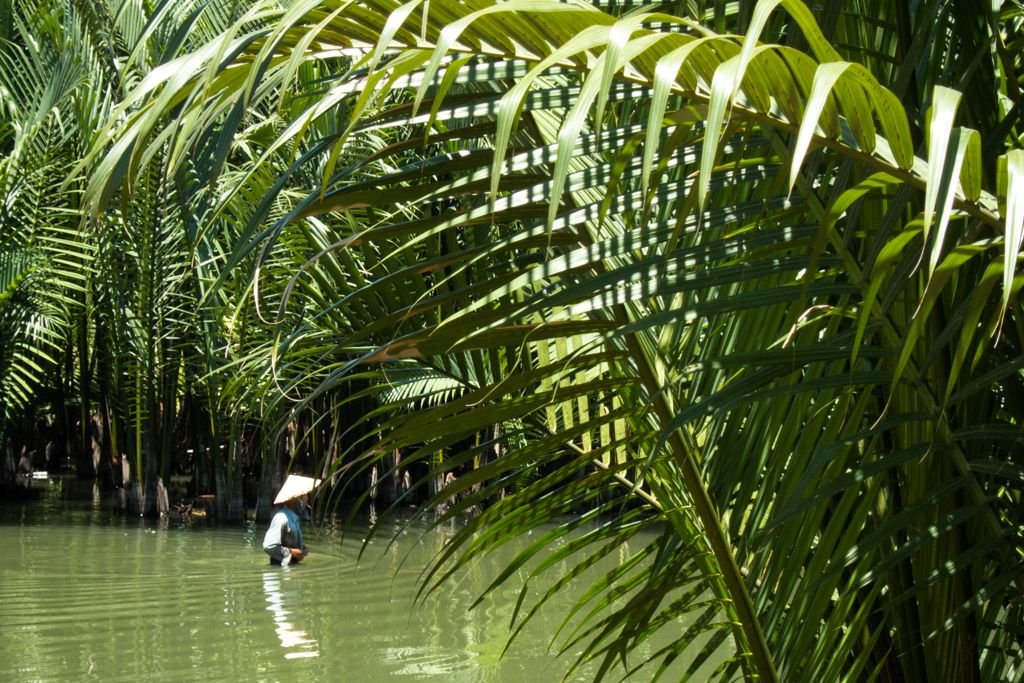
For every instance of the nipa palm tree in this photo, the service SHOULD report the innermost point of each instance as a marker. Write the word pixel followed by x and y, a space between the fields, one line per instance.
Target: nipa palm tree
pixel 112 320
pixel 43 255
pixel 730 294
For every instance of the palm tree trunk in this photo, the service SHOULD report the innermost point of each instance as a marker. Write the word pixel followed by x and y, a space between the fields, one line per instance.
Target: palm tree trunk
pixel 86 457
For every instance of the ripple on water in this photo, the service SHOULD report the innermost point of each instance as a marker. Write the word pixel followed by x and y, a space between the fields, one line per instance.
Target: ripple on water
pixel 119 600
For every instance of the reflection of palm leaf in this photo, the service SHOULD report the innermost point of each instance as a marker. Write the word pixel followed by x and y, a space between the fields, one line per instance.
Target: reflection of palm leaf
pixel 705 287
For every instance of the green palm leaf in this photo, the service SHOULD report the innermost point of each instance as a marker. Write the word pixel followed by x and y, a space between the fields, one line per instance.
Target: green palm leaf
pixel 682 269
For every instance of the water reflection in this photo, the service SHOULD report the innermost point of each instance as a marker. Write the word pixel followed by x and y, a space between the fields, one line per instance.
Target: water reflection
pixel 282 602
pixel 86 594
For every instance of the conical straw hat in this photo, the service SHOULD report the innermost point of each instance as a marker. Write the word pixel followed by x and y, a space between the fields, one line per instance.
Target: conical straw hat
pixel 295 486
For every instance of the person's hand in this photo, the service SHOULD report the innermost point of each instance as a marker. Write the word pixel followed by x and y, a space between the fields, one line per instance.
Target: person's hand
pixel 297 553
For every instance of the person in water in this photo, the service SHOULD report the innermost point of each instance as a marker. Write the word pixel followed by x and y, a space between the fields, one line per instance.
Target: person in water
pixel 283 540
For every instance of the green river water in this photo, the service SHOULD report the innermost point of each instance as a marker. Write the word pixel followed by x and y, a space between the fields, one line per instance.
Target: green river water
pixel 87 594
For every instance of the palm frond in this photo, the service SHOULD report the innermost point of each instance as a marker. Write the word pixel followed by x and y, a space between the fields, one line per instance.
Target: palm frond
pixel 701 276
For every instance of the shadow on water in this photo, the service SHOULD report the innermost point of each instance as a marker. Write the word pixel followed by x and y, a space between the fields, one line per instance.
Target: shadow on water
pixel 90 594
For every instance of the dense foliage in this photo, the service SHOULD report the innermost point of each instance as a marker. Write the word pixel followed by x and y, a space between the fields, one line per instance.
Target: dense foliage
pixel 730 290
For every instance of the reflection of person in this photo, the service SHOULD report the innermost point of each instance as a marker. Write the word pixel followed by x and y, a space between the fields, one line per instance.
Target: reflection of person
pixel 294 641
pixel 283 540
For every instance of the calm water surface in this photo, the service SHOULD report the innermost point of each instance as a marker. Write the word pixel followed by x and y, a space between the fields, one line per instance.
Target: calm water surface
pixel 89 595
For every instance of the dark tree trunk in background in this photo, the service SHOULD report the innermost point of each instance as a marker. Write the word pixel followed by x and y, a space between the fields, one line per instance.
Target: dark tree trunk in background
pixel 236 501
pixel 220 482
pixel 267 486
pixel 272 472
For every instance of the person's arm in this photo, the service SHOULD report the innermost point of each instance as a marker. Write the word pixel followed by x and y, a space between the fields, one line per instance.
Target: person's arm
pixel 275 532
